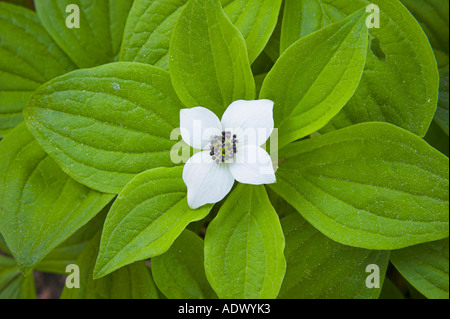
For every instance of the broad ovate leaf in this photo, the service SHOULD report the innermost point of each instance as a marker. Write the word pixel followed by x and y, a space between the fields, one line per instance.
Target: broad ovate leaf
pixel 179 273
pixel 97 38
pixel 29 57
pixel 148 31
pixel 320 268
pixel 255 19
pixel 400 80
pixel 150 24
pixel 244 246
pixel 208 58
pixel 145 219
pixel 316 76
pixel 107 124
pixel 371 185
pixel 425 266
pixel 40 205
pixel 131 282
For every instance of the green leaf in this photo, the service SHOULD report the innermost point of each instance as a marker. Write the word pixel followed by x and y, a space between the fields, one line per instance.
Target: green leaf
pixel 179 273
pixel 40 206
pixel 315 77
pixel 99 36
pixel 442 115
pixel 208 61
pixel 319 268
pixel 433 16
pixel 146 218
pixel 371 185
pixel 105 125
pixel 150 24
pixel 67 252
pixel 244 247
pixel 28 58
pixel 12 284
pixel 400 80
pixel 148 30
pixel 255 19
pixel 131 282
pixel 425 266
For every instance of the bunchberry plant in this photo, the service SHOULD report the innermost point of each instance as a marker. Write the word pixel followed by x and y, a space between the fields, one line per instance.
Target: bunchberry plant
pixel 347 171
pixel 233 150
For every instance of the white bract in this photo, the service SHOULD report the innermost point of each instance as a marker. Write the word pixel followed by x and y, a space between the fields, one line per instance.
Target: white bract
pixel 231 149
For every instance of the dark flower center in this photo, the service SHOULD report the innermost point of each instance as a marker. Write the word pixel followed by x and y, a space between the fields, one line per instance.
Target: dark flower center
pixel 223 147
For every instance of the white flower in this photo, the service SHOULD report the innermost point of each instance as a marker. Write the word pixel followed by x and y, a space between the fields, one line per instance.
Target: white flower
pixel 231 149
